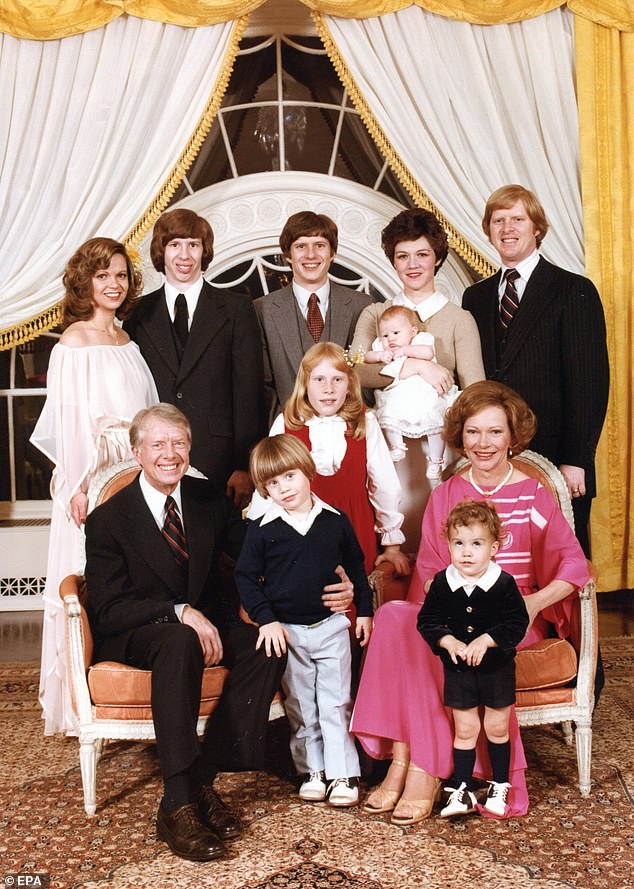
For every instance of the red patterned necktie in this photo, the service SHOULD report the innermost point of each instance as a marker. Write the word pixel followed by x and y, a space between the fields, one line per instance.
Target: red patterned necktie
pixel 314 318
pixel 174 534
pixel 509 303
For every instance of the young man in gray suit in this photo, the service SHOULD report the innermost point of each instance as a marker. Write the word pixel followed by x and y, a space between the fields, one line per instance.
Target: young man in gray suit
pixel 310 310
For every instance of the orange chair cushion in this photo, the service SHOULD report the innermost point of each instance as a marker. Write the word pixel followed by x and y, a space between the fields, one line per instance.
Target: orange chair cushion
pixel 122 692
pixel 549 663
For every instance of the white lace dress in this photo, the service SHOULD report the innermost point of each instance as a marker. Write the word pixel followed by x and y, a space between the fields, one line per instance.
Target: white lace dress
pixel 411 406
pixel 93 394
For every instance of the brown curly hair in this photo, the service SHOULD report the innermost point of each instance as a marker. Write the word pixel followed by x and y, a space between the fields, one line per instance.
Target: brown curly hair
pixel 476 512
pixel 181 223
pixel 93 256
pixel 479 396
pixel 410 225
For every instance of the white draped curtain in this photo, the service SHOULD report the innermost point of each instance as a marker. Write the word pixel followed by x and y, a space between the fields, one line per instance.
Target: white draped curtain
pixel 418 73
pixel 90 128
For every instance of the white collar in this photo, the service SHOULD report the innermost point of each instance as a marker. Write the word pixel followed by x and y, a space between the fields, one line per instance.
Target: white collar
pixel 301 525
pixel 302 296
pixel 335 420
pixel 192 295
pixel 424 309
pixel 485 581
pixel 525 268
pixel 156 499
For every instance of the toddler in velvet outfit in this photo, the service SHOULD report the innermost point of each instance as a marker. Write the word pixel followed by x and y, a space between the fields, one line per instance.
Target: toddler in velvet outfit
pixel 473 617
pixel 289 554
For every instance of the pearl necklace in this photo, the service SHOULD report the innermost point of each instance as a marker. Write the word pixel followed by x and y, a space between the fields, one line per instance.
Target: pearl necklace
pixel 496 488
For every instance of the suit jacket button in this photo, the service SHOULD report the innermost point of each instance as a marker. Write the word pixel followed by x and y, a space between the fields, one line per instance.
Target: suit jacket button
pixel 469 609
pixel 179 394
pixel 469 629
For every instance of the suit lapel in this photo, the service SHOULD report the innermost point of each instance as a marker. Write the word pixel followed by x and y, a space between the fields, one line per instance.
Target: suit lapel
pixel 158 325
pixel 150 546
pixel 283 315
pixel 199 529
pixel 209 317
pixel 536 297
pixel 490 313
pixel 340 314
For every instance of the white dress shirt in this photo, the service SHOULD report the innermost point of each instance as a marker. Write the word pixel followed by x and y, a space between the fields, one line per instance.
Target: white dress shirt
pixel 156 504
pixel 191 295
pixel 525 268
pixel 302 296
pixel 302 524
pixel 427 307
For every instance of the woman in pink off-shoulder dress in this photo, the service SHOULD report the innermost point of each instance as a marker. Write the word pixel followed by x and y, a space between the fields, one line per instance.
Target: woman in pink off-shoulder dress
pixel 399 712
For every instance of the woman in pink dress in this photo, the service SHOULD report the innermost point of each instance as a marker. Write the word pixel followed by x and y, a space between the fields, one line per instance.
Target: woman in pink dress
pixel 399 712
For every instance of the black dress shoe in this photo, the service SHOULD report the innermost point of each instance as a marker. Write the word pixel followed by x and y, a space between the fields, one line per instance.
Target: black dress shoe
pixel 214 812
pixel 186 834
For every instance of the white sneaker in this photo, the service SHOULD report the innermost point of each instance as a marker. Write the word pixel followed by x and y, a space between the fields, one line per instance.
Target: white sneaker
pixel 343 792
pixel 461 801
pixel 313 788
pixel 496 798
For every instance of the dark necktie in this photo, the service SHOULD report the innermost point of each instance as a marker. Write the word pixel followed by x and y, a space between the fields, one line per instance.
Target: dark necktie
pixel 174 534
pixel 509 303
pixel 314 318
pixel 181 318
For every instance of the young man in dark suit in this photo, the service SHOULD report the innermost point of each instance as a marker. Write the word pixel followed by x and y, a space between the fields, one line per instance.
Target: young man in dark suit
pixel 291 319
pixel 156 601
pixel 543 334
pixel 203 348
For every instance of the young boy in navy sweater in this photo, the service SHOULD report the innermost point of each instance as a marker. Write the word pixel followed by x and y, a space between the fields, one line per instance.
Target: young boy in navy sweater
pixel 473 617
pixel 288 556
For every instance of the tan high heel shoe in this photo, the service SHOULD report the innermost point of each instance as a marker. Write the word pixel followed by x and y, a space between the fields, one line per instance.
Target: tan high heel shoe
pixel 382 800
pixel 418 809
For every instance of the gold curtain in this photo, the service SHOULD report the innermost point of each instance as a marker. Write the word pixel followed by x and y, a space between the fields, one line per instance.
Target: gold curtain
pixel 33 19
pixel 605 69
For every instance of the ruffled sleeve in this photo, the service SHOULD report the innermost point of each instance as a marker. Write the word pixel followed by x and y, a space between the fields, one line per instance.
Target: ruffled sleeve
pixel 384 487
pixel 89 390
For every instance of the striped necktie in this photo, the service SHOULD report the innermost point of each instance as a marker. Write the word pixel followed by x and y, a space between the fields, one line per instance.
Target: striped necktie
pixel 509 303
pixel 174 534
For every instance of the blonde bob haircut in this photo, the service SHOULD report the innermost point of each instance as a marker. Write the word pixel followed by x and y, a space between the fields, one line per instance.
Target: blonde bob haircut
pixel 298 408
pixel 276 455
pixel 479 396
pixel 508 195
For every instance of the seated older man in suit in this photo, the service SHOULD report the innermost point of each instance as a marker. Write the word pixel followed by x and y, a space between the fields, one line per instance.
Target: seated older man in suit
pixel 310 310
pixel 157 602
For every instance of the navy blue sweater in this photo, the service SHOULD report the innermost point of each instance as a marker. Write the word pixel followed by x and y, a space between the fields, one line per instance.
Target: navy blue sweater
pixel 281 574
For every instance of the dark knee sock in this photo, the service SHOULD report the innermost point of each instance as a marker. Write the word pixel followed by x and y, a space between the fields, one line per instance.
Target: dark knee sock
pixel 463 763
pixel 200 774
pixel 500 756
pixel 177 791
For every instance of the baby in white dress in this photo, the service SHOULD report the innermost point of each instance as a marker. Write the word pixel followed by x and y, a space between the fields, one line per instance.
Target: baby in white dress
pixel 409 406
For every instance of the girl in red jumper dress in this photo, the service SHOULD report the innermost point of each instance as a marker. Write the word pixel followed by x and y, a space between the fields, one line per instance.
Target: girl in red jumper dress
pixel 354 471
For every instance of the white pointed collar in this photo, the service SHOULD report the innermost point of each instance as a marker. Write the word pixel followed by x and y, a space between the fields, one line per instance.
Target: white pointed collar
pixel 485 582
pixel 425 309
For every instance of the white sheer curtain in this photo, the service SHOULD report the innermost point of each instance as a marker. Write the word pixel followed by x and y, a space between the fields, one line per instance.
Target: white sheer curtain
pixel 90 127
pixel 469 108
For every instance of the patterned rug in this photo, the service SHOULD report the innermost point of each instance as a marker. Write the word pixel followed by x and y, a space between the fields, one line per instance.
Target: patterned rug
pixel 564 841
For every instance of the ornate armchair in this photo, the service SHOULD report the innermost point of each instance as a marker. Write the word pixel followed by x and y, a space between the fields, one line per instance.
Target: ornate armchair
pixel 555 677
pixel 112 700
